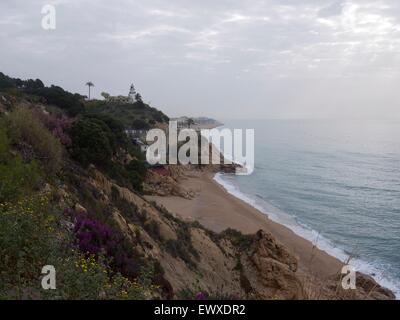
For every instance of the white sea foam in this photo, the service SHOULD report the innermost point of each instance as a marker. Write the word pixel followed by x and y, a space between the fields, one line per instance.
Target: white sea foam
pixel 276 215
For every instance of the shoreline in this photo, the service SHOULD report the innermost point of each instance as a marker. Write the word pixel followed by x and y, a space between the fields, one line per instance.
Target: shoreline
pixel 215 208
pixel 307 234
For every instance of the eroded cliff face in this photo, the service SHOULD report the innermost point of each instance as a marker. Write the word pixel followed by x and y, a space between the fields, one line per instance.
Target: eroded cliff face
pixel 166 183
pixel 271 269
pixel 194 259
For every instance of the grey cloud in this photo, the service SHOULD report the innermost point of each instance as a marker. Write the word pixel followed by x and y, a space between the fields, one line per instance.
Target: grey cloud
pixel 271 58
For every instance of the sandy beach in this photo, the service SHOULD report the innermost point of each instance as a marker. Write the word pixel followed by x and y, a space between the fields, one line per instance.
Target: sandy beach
pixel 218 210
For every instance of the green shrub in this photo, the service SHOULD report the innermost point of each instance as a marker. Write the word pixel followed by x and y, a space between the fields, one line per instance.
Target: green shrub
pixel 31 237
pixel 96 138
pixel 136 181
pixel 177 249
pixel 4 143
pixel 129 176
pixel 237 238
pixel 182 247
pixel 128 113
pixel 90 142
pixel 27 243
pixel 140 124
pixel 16 177
pixel 135 152
pixel 115 129
pixel 24 127
pixel 153 229
pixel 6 82
pixel 138 166
pixel 70 102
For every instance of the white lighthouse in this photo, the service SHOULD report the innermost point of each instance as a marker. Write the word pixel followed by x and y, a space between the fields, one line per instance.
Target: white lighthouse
pixel 132 93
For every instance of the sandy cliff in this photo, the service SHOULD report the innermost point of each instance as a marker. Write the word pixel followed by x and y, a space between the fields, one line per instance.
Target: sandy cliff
pixel 193 259
pixel 277 263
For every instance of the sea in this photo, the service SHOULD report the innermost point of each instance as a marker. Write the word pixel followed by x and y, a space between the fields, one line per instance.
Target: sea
pixel 333 182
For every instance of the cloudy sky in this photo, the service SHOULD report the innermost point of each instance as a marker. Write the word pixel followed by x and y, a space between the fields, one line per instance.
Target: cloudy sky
pixel 221 58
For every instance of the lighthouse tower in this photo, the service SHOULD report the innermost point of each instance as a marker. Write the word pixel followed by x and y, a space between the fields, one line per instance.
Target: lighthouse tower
pixel 132 93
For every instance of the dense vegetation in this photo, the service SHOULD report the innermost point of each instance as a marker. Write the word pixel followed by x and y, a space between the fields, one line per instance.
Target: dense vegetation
pixel 92 259
pixel 101 140
pixel 137 115
pixel 71 103
pixel 47 138
pixel 92 132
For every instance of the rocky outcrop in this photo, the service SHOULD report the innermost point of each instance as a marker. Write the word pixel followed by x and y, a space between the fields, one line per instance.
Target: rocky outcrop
pixel 270 269
pixel 371 289
pixel 166 183
pixel 366 289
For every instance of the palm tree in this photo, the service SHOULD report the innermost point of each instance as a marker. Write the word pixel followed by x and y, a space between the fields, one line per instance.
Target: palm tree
pixel 89 84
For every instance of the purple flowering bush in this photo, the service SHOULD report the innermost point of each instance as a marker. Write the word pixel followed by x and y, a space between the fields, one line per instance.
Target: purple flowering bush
pixel 94 237
pixel 57 125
